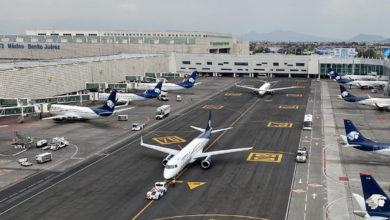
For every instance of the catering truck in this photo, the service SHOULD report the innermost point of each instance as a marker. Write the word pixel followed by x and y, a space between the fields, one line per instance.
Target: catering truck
pixel 163 111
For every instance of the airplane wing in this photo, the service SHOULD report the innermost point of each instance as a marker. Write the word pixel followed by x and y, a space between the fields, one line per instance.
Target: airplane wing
pixel 211 153
pixel 276 89
pixel 158 148
pixel 213 131
pixel 62 117
pixel 247 87
pixel 198 129
pixel 360 201
pixel 122 109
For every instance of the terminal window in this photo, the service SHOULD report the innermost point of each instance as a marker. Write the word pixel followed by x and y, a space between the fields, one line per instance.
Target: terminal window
pixel 209 63
pixel 186 62
pixel 276 64
pixel 241 63
pixel 300 64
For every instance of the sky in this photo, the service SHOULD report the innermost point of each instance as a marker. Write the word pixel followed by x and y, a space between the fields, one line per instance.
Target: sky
pixel 337 19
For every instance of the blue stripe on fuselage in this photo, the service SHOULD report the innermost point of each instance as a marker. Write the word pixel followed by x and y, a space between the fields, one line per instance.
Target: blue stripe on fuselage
pixel 101 112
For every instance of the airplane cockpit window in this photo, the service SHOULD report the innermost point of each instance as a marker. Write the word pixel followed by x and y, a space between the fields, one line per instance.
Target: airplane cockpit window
pixel 171 166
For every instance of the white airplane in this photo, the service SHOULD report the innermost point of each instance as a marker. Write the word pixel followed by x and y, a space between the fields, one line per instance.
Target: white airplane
pixel 177 160
pixel 188 83
pixel 71 112
pixel 130 97
pixel 367 84
pixel 379 103
pixel 336 76
pixel 265 89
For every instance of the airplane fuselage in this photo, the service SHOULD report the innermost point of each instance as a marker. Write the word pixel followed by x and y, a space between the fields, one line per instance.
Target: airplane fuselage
pixel 375 147
pixel 79 111
pixel 358 77
pixel 185 156
pixel 165 86
pixel 125 97
pixel 360 83
pixel 264 88
pixel 374 101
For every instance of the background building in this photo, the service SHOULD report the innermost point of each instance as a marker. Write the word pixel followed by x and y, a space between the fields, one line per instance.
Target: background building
pixel 47 44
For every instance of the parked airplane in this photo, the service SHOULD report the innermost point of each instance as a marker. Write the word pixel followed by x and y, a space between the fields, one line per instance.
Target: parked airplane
pixel 355 139
pixel 367 84
pixel 265 88
pixel 177 160
pixel 188 83
pixel 335 75
pixel 379 103
pixel 71 112
pixel 376 203
pixel 130 97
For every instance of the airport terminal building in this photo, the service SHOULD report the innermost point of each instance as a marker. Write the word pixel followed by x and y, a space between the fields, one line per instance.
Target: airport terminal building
pixel 49 63
pixel 48 44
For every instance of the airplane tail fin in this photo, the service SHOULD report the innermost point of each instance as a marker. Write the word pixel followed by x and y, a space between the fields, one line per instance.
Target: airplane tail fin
pixel 110 103
pixel 352 133
pixel 190 82
pixel 375 198
pixel 345 94
pixel 153 93
pixel 208 126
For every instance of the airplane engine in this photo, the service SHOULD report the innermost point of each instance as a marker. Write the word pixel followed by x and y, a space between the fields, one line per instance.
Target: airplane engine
pixel 255 92
pixel 165 161
pixel 272 92
pixel 206 163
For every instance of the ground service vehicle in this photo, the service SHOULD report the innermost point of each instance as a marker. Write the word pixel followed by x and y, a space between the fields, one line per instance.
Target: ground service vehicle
pixel 43 158
pixel 158 191
pixel 178 98
pixel 41 143
pixel 308 122
pixel 163 111
pixel 123 117
pixel 24 162
pixel 302 155
pixel 162 97
pixel 137 126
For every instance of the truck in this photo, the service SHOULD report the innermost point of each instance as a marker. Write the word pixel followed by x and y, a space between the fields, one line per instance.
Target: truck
pixel 123 117
pixel 137 126
pixel 58 143
pixel 308 122
pixel 43 158
pixel 158 191
pixel 163 111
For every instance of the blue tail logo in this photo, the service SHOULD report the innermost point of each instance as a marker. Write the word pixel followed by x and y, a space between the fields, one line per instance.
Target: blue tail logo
pixel 353 134
pixel 110 103
pixel 375 198
pixel 153 93
pixel 190 82
pixel 344 92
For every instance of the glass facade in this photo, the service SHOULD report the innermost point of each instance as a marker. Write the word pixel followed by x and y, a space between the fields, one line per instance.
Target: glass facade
pixel 355 69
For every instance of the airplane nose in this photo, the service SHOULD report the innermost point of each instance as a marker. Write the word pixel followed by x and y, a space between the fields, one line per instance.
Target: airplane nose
pixel 168 175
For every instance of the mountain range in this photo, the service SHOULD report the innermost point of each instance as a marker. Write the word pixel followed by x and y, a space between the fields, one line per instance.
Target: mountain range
pixel 291 36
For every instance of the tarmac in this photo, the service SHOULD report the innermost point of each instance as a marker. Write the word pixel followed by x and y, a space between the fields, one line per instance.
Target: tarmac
pixel 105 173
